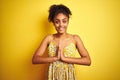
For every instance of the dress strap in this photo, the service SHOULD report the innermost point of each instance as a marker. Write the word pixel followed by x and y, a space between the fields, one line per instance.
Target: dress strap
pixel 51 37
pixel 73 36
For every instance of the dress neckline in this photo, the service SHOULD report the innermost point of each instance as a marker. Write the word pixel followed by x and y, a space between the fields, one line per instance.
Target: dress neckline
pixel 71 43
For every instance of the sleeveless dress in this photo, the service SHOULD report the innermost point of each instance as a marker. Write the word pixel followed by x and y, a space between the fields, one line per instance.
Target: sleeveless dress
pixel 59 70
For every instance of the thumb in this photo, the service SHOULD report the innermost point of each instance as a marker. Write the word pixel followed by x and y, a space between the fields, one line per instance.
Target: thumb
pixel 60 44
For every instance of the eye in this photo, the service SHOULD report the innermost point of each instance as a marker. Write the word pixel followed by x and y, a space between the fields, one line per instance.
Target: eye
pixel 64 21
pixel 56 22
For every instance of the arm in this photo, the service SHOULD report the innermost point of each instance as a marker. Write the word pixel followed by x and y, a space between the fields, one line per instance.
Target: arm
pixel 38 58
pixel 85 58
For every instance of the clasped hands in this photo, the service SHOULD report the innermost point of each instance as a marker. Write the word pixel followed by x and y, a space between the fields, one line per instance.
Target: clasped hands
pixel 60 52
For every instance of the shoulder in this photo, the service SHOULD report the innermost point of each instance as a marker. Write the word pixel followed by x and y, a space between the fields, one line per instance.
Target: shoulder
pixel 77 38
pixel 48 38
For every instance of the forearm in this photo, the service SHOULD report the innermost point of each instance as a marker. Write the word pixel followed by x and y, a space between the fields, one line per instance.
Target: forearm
pixel 42 60
pixel 80 61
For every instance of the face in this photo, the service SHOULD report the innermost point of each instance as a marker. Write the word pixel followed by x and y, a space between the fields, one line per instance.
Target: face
pixel 61 22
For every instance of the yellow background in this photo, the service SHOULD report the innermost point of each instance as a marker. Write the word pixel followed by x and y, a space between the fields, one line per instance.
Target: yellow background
pixel 24 24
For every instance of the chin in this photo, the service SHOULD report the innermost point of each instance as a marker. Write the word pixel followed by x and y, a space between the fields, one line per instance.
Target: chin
pixel 61 32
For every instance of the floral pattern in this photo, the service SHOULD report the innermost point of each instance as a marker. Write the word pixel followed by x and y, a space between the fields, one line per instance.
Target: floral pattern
pixel 60 70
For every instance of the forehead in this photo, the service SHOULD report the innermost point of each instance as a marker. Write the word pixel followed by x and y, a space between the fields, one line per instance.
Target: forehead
pixel 60 16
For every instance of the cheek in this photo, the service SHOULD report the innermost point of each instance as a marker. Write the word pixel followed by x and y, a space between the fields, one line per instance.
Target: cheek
pixel 63 25
pixel 66 25
pixel 56 25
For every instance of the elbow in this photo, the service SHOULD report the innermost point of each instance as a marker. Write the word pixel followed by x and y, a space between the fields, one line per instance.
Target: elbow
pixel 88 62
pixel 34 61
pixel 85 61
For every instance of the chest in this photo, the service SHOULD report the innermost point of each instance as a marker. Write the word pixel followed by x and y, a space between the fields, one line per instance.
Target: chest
pixel 69 50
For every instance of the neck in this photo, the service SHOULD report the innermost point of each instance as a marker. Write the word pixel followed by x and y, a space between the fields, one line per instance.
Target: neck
pixel 61 35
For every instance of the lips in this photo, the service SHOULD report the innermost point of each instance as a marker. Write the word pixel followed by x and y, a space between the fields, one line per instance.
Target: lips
pixel 61 28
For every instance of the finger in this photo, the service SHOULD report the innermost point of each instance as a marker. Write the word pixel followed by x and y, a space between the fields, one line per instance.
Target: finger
pixel 58 51
pixel 59 54
pixel 60 43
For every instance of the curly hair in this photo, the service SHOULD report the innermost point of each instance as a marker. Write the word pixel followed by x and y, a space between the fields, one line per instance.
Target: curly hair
pixel 56 9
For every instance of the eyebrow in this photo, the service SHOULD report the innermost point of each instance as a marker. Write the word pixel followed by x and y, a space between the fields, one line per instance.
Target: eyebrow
pixel 62 19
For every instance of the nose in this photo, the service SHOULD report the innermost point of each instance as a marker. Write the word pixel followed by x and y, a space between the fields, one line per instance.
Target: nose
pixel 60 24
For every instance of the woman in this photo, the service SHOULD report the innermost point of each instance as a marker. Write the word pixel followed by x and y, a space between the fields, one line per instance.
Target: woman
pixel 61 47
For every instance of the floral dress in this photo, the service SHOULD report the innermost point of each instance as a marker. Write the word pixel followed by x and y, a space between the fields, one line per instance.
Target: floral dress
pixel 59 70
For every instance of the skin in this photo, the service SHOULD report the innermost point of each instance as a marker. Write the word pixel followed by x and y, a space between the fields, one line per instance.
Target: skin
pixel 62 39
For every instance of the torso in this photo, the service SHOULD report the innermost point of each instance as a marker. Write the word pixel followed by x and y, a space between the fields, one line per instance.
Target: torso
pixel 68 39
pixel 60 70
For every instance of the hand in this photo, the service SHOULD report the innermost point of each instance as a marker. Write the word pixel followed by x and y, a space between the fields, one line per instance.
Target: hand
pixel 60 50
pixel 62 56
pixel 57 57
pixel 58 53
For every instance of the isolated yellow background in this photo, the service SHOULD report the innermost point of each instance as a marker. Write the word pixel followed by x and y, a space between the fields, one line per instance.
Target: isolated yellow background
pixel 24 24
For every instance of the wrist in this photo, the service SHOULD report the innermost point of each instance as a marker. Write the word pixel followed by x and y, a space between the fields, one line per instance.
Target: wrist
pixel 63 58
pixel 55 58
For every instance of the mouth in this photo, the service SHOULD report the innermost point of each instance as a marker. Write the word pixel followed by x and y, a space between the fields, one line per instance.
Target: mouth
pixel 61 28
